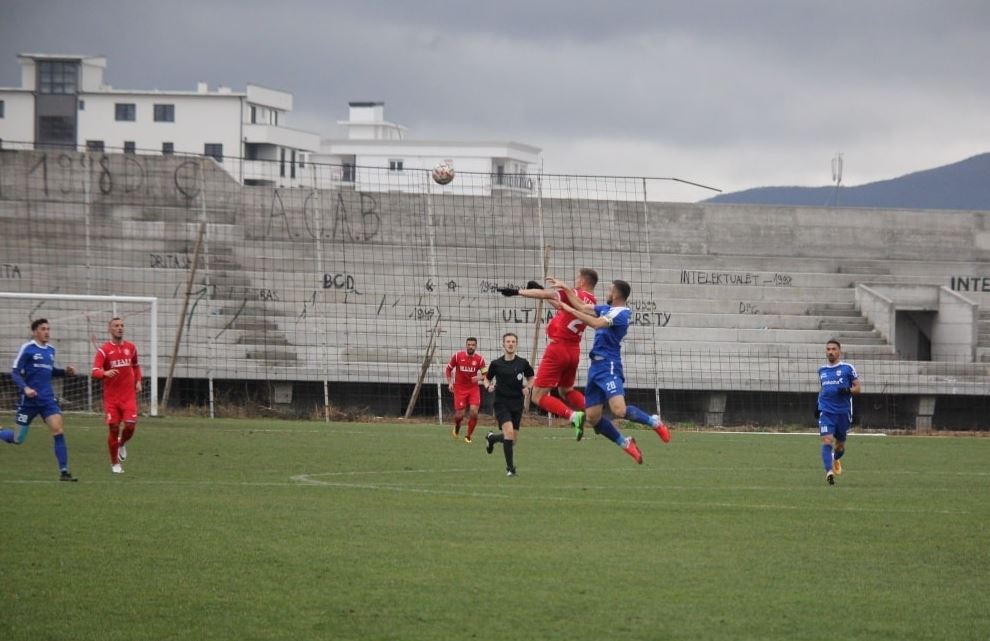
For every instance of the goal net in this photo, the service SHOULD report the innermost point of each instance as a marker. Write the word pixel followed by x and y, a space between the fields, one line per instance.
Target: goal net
pixel 79 325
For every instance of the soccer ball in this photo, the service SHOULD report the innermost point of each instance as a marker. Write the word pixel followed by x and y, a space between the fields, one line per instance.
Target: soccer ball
pixel 443 173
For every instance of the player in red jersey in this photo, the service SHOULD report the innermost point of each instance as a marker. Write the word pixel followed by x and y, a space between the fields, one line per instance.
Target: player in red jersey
pixel 464 372
pixel 558 367
pixel 116 364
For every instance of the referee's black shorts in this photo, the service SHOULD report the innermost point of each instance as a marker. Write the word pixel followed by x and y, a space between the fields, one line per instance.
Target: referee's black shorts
pixel 505 412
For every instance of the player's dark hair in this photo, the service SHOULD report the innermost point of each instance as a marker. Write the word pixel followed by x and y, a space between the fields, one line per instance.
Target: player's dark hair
pixel 589 275
pixel 835 342
pixel 624 288
pixel 38 322
pixel 510 334
pixel 471 338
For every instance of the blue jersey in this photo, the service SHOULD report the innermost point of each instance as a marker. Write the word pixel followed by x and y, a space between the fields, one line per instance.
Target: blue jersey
pixel 834 397
pixel 608 340
pixel 34 367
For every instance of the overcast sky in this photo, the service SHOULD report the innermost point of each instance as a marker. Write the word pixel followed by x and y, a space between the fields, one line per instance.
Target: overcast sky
pixel 730 93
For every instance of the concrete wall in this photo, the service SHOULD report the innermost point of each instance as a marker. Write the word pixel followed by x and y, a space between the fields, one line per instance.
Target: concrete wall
pixel 303 284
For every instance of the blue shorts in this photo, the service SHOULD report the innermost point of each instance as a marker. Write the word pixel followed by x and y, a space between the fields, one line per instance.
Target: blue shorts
pixel 605 380
pixel 836 425
pixel 27 410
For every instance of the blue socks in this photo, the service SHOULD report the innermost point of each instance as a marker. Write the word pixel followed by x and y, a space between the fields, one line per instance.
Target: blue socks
pixel 827 457
pixel 61 452
pixel 6 435
pixel 609 431
pixel 637 415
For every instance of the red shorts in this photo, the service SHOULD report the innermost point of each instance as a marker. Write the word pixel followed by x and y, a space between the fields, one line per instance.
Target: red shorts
pixel 117 411
pixel 558 367
pixel 467 397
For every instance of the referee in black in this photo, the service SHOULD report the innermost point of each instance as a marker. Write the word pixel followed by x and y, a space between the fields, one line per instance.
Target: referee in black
pixel 509 376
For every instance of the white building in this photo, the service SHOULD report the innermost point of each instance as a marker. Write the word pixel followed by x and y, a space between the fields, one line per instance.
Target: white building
pixel 63 102
pixel 376 156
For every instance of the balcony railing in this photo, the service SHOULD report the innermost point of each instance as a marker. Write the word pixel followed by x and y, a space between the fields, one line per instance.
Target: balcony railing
pixel 521 182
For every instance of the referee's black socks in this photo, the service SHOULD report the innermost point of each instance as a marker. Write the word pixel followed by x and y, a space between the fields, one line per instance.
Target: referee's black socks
pixel 507 450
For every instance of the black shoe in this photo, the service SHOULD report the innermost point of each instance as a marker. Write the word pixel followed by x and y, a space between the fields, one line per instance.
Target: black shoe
pixel 830 478
pixel 510 471
pixel 491 444
pixel 67 476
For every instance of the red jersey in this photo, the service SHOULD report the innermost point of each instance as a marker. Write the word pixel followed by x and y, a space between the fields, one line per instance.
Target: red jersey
pixel 563 327
pixel 465 368
pixel 124 359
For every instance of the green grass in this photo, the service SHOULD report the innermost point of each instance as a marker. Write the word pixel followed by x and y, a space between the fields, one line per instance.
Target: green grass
pixel 279 530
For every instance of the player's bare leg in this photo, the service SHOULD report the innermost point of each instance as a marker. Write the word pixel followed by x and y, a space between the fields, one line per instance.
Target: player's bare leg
pixel 472 422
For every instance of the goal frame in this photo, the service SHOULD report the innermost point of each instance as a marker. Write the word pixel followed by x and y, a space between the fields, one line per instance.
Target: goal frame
pixel 153 351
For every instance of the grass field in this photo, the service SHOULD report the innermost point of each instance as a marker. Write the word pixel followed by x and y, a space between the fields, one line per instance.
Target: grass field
pixel 284 530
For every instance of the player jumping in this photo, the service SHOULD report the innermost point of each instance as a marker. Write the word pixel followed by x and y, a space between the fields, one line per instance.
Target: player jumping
pixel 839 383
pixel 559 364
pixel 463 373
pixel 34 367
pixel 605 375
pixel 116 364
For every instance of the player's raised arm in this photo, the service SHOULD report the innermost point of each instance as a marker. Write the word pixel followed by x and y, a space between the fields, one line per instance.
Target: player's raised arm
pixel 590 319
pixel 532 290
pixel 570 296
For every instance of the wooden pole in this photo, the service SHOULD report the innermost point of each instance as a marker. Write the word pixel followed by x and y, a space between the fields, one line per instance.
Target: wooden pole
pixel 431 348
pixel 534 352
pixel 182 316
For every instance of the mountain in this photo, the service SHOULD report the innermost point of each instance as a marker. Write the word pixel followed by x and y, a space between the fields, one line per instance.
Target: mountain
pixel 961 185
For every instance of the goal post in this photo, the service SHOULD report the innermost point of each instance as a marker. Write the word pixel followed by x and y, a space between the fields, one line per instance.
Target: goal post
pixel 79 326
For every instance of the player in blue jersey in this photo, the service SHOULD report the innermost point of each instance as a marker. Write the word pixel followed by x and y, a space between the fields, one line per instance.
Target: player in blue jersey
pixel 839 383
pixel 605 376
pixel 34 367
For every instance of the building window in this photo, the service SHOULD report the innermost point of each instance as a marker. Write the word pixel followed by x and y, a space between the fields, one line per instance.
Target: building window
pixel 213 150
pixel 164 113
pixel 129 147
pixel 254 114
pixel 57 130
pixel 395 165
pixel 168 148
pixel 1 109
pixel 82 105
pixel 125 112
pixel 276 118
pixel 281 163
pixel 94 145
pixel 57 77
pixel 302 160
pixel 292 170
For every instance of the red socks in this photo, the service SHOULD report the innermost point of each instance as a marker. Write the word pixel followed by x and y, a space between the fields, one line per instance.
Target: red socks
pixel 554 406
pixel 576 399
pixel 112 441
pixel 128 432
pixel 471 423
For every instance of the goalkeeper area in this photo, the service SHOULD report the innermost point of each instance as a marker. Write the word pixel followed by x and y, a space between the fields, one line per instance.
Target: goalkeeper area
pixel 248 529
